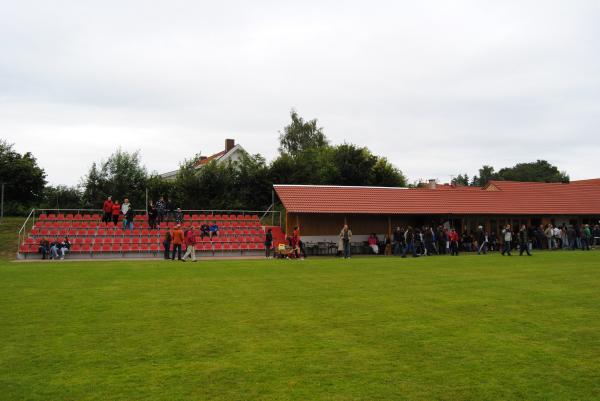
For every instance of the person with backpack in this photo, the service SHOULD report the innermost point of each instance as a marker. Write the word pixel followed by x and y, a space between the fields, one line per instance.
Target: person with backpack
pixel 167 244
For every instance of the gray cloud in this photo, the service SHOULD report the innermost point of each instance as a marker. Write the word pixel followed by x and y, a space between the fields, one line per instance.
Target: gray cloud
pixel 438 87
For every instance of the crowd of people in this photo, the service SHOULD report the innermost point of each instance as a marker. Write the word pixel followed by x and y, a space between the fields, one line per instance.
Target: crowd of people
pixel 440 240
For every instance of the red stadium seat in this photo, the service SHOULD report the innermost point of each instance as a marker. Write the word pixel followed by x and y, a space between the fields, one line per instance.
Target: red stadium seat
pixel 126 248
pixel 43 216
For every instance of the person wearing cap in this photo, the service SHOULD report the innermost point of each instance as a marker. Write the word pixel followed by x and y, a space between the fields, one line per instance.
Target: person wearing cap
pixel 178 239
pixel 190 242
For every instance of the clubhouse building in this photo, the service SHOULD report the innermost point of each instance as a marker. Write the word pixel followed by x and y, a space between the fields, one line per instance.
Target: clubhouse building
pixel 321 210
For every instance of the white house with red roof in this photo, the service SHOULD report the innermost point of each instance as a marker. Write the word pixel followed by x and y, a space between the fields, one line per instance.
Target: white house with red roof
pixel 232 152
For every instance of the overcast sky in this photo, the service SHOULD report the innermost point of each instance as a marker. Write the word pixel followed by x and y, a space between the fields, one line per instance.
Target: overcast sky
pixel 438 87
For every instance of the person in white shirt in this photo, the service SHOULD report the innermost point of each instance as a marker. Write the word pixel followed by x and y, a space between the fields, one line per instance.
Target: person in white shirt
pixel 507 233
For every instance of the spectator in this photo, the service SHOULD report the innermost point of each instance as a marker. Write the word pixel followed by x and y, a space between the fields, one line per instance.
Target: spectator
pixel 441 239
pixel 468 242
pixel 299 243
pixel 482 241
pixel 54 249
pixel 65 247
pixel 523 241
pixel 596 234
pixel 178 239
pixel 409 241
pixel 152 215
pixel 454 238
pixel 161 209
pixel 268 243
pixel 507 233
pixel 564 238
pixel 571 234
pixel 373 243
pixel 190 242
pixel 169 208
pixel 107 208
pixel 388 246
pixel 116 211
pixel 124 209
pixel 493 241
pixel 397 241
pixel 204 230
pixel 346 237
pixel 129 217
pixel 214 230
pixel 586 237
pixel 178 216
pixel 429 239
pixel 167 244
pixel 44 248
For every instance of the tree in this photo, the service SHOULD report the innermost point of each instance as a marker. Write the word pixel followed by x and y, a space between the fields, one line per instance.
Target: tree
pixel 24 179
pixel 538 171
pixel 61 197
pixel 121 176
pixel 486 173
pixel 461 179
pixel 386 174
pixel 301 135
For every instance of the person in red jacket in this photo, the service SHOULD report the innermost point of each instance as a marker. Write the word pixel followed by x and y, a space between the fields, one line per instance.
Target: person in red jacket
pixel 116 211
pixel 190 243
pixel 107 208
pixel 454 238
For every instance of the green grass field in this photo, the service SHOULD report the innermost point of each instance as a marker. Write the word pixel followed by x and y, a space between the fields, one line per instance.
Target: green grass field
pixel 442 328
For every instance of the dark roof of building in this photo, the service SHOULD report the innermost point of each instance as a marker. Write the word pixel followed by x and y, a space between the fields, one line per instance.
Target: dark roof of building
pixel 497 198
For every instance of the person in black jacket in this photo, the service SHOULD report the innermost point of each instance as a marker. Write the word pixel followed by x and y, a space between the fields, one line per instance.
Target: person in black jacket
pixel 524 241
pixel 129 216
pixel 152 215
pixel 268 243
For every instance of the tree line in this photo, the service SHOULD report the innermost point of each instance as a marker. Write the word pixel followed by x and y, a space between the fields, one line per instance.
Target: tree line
pixel 306 156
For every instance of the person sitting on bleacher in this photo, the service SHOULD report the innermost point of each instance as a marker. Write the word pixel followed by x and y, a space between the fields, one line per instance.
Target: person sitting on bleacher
pixel 54 248
pixel 204 230
pixel 44 248
pixel 214 230
pixel 65 247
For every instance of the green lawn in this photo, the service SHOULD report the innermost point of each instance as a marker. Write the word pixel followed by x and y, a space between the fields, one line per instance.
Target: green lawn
pixel 466 328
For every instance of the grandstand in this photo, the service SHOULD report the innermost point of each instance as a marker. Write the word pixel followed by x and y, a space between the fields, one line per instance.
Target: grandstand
pixel 240 234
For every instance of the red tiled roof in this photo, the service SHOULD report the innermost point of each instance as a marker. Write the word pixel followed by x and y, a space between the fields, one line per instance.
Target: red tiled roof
pixel 202 162
pixel 509 198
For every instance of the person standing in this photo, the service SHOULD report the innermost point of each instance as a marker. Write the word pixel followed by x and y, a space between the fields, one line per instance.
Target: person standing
pixel 161 209
pixel 152 215
pixel 268 243
pixel 586 237
pixel 454 238
pixel 409 240
pixel 298 241
pixel 549 233
pixel 507 234
pixel 397 241
pixel 167 244
pixel 129 217
pixel 177 241
pixel 116 211
pixel 346 237
pixel 523 241
pixel 482 241
pixel 190 242
pixel 107 208
pixel 124 209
